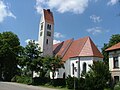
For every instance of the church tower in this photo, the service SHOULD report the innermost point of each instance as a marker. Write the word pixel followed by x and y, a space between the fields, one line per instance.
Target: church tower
pixel 46 33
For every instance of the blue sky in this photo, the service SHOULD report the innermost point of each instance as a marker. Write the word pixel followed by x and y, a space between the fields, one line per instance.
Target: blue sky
pixel 98 19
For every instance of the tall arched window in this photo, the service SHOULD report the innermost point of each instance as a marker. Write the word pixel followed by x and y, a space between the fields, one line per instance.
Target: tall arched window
pixel 46 41
pixel 73 68
pixel 84 67
pixel 49 27
pixel 64 75
pixel 42 26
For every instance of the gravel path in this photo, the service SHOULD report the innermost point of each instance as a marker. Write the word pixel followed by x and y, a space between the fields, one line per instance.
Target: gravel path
pixel 17 86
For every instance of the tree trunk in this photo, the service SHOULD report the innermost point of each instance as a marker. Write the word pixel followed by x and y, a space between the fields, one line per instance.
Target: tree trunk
pixel 53 74
pixel 53 78
pixel 0 72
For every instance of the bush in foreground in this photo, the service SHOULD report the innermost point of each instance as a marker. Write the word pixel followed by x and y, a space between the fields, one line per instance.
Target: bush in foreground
pixel 22 79
pixel 117 86
pixel 40 80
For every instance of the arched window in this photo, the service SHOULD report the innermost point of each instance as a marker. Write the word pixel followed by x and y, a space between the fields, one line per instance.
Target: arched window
pixel 42 26
pixel 64 75
pixel 46 41
pixel 84 67
pixel 73 68
pixel 48 26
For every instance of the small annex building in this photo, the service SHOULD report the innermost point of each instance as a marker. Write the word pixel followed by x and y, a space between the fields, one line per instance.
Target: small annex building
pixel 77 55
pixel 114 61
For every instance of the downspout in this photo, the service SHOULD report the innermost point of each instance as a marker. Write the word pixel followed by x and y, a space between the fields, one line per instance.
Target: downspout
pixel 78 67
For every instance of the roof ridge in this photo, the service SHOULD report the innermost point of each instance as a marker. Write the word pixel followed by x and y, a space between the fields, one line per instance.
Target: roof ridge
pixel 84 44
pixel 67 46
pixel 91 45
pixel 63 41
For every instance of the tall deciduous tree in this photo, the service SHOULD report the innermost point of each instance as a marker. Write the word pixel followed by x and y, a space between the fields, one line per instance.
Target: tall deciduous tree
pixel 31 57
pixel 9 49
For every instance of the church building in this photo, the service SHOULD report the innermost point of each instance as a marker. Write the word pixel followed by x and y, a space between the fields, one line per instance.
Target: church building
pixel 77 55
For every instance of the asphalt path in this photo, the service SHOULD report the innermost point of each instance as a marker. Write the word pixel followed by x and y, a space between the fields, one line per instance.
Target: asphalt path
pixel 16 86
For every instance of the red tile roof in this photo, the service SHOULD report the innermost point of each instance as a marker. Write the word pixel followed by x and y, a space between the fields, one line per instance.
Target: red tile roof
pixel 114 47
pixel 62 47
pixel 48 15
pixel 73 48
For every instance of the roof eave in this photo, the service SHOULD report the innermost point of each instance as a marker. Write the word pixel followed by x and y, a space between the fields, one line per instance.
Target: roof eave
pixel 109 50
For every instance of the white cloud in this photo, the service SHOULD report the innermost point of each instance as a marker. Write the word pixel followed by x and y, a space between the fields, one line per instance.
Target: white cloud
pixel 94 30
pixel 112 2
pixel 62 6
pixel 27 40
pixel 30 40
pixel 95 18
pixel 58 35
pixel 5 12
pixel 56 41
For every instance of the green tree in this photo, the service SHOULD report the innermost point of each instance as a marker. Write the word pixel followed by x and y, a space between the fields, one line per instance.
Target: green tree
pixel 112 41
pixel 117 86
pixel 53 64
pixel 9 49
pixel 97 77
pixel 30 58
pixel 105 54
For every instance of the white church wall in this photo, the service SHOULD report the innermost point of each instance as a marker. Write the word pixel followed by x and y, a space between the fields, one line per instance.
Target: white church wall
pixel 74 67
pixel 48 48
pixel 88 61
pixel 55 75
pixel 41 37
pixel 97 59
pixel 67 68
pixel 58 74
pixel 61 73
pixel 36 74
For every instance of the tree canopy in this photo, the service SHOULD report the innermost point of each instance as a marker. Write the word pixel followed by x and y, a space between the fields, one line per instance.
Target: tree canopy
pixel 53 63
pixel 114 39
pixel 30 57
pixel 9 50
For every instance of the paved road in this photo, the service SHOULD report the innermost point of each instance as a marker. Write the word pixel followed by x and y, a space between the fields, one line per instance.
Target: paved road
pixel 16 86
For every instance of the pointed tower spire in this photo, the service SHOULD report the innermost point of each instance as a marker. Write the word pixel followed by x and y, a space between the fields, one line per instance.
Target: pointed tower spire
pixel 46 32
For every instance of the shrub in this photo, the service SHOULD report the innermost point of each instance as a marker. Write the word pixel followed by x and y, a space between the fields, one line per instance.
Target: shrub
pixel 22 79
pixel 71 81
pixel 117 86
pixel 14 78
pixel 40 80
pixel 58 82
pixel 81 84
